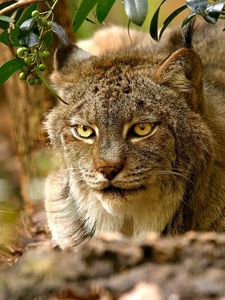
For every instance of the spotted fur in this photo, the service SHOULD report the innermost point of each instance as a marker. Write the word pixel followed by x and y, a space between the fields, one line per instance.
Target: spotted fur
pixel 169 182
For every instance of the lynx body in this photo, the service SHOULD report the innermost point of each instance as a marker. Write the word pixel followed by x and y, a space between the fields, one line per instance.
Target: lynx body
pixel 141 139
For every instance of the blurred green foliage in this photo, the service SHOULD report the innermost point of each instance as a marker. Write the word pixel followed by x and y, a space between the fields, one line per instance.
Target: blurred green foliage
pixel 118 16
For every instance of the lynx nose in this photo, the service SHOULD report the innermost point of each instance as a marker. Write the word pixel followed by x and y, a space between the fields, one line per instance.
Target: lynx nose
pixel 109 169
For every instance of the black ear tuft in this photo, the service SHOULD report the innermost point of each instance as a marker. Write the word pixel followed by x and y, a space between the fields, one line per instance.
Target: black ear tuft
pixel 65 47
pixel 61 55
pixel 65 51
pixel 188 34
pixel 61 34
pixel 67 56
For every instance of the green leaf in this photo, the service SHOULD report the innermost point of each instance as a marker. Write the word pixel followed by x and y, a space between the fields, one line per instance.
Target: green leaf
pixel 170 18
pixel 82 12
pixel 216 7
pixel 213 11
pixel 188 19
pixel 210 12
pixel 6 19
pixel 211 18
pixel 26 14
pixel 18 14
pixel 197 6
pixel 4 38
pixel 154 23
pixel 136 10
pixel 103 8
pixel 11 66
pixel 3 24
pixel 5 4
pixel 14 37
pixel 48 39
pixel 28 24
pixel 14 34
pixel 30 39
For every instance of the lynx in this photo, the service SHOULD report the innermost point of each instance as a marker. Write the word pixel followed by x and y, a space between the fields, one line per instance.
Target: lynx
pixel 141 138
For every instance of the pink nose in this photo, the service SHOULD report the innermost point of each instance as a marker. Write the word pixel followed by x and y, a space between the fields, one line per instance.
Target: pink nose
pixel 109 169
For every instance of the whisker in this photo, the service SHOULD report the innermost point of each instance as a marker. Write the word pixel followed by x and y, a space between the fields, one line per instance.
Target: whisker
pixel 173 173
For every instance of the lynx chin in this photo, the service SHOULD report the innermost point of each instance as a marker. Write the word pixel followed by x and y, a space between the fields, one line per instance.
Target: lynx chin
pixel 142 137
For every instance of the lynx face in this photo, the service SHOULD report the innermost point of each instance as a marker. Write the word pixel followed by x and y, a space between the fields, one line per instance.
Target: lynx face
pixel 120 149
pixel 129 139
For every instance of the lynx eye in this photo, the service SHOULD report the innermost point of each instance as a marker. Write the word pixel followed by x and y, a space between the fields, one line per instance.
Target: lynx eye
pixel 142 129
pixel 84 131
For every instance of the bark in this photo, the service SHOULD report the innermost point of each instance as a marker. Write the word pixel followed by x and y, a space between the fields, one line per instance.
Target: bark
pixel 112 267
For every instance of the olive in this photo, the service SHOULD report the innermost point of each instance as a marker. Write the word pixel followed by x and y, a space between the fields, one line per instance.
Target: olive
pixel 26 69
pixel 28 61
pixel 31 81
pixel 20 51
pixel 35 13
pixel 38 81
pixel 23 76
pixel 43 22
pixel 42 67
pixel 44 54
pixel 49 24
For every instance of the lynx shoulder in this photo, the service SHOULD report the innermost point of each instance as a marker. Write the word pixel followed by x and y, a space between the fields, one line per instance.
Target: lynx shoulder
pixel 141 138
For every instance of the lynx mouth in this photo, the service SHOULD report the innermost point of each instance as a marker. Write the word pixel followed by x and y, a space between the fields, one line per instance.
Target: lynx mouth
pixel 121 191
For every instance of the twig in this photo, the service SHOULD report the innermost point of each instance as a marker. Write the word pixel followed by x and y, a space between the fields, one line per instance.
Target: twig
pixel 17 5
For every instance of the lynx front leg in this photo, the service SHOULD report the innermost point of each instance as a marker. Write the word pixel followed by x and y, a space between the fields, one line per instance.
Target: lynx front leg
pixel 63 220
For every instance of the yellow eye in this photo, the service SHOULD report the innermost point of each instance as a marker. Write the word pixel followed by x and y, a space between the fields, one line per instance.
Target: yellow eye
pixel 142 129
pixel 84 131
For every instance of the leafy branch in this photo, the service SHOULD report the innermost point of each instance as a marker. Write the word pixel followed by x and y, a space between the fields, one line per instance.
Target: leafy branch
pixel 18 5
pixel 28 30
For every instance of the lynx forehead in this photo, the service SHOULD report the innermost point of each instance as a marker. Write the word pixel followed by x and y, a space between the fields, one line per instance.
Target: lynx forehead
pixel 137 145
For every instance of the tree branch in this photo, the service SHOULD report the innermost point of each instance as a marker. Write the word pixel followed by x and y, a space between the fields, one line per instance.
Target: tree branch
pixel 17 5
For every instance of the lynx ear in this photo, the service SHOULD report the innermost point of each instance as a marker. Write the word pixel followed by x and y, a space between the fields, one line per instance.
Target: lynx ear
pixel 183 72
pixel 67 56
pixel 66 61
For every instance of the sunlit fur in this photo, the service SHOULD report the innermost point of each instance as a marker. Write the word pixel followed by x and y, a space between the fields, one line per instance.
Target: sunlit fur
pixel 172 180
